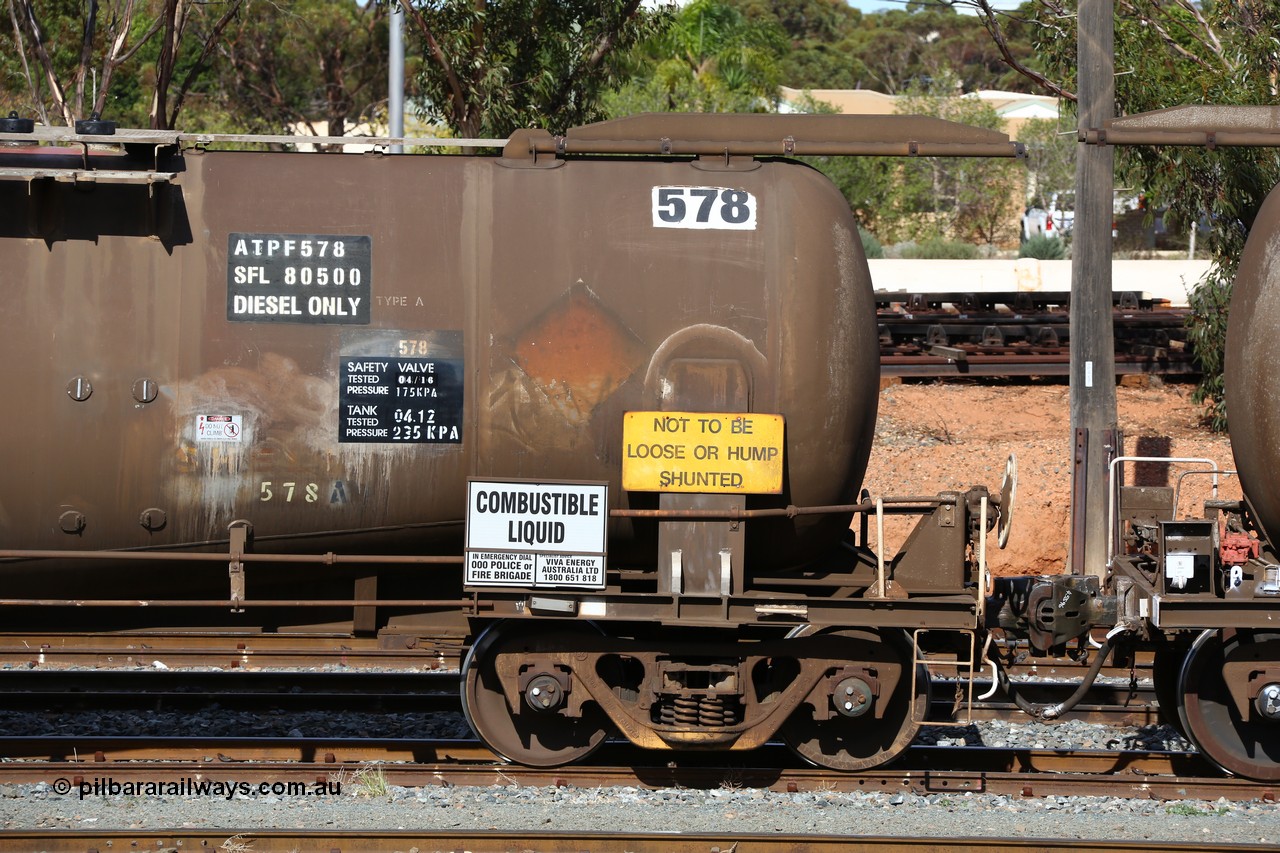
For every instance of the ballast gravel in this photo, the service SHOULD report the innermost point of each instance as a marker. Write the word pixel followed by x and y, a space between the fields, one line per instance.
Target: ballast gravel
pixel 366 802
pixel 726 810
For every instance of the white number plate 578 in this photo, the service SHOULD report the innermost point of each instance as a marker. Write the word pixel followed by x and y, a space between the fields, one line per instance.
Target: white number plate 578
pixel 721 208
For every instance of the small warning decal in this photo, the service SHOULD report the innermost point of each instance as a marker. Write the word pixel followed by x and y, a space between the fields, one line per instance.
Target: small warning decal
pixel 218 428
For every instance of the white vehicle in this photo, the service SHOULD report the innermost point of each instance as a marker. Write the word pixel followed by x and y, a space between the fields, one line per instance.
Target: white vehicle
pixel 1037 222
pixel 1062 212
pixel 1055 221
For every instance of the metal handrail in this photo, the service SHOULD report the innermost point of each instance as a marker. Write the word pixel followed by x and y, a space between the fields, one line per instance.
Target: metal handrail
pixel 1113 544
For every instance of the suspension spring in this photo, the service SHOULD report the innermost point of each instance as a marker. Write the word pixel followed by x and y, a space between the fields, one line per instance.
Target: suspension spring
pixel 716 711
pixel 695 711
pixel 680 711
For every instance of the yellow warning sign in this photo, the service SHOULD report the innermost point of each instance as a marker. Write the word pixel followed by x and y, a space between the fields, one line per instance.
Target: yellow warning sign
pixel 718 453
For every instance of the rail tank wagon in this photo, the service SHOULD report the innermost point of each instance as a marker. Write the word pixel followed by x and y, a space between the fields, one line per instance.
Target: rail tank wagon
pixel 328 346
pixel 264 391
pixel 1232 678
pixel 604 401
pixel 1253 351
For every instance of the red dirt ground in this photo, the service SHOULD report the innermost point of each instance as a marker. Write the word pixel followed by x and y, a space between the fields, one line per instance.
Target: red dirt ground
pixel 939 436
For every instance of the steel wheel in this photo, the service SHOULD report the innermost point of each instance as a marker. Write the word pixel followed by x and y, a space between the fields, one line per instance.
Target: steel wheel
pixel 1248 745
pixel 858 743
pixel 535 738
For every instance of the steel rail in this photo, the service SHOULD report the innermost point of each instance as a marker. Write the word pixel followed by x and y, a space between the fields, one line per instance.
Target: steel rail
pixel 496 841
pixel 436 700
pixel 1124 299
pixel 1131 319
pixel 433 690
pixel 67 763
pixel 1036 365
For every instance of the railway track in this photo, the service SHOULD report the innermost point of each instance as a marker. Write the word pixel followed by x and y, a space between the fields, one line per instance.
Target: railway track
pixel 82 767
pixel 71 767
pixel 980 362
pixel 1111 703
pixel 1020 334
pixel 1123 699
pixel 309 674
pixel 479 841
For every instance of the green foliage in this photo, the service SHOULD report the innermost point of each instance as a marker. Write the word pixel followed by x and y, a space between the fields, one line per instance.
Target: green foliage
pixel 821 20
pixel 136 63
pixel 819 52
pixel 1185 809
pixel 304 62
pixel 711 59
pixel 832 46
pixel 939 249
pixel 915 199
pixel 860 179
pixel 908 48
pixel 1189 810
pixel 1169 54
pixel 864 182
pixel 1207 335
pixel 236 65
pixel 371 781
pixel 492 66
pixel 58 29
pixel 870 245
pixel 966 196
pixel 1051 157
pixel 1044 248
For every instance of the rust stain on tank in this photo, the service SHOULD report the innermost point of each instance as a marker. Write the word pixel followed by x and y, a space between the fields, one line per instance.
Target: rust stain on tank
pixel 578 353
pixel 283 413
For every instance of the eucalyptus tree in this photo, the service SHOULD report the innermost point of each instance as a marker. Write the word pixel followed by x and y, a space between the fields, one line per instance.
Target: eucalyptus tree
pixel 1167 54
pixel 491 66
pixel 821 53
pixel 712 58
pixel 960 197
pixel 293 65
pixel 1051 157
pixel 64 60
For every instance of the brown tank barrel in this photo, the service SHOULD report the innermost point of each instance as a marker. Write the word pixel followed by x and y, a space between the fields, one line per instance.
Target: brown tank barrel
pixel 328 345
pixel 1253 354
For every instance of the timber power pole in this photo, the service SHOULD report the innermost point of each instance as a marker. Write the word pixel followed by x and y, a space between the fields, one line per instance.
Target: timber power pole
pixel 1093 369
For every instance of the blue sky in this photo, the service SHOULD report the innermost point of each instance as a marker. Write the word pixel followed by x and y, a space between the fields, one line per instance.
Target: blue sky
pixel 874 5
pixel 881 5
